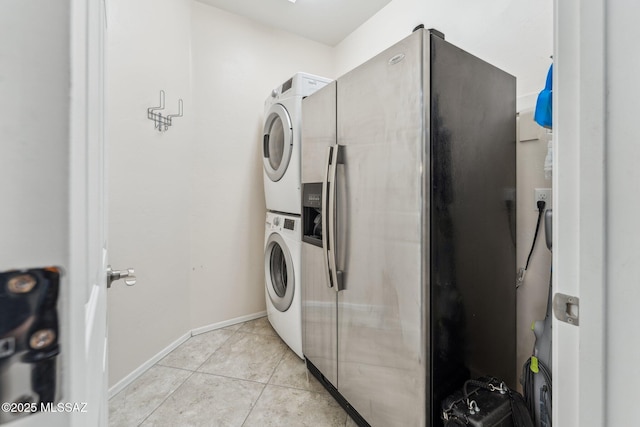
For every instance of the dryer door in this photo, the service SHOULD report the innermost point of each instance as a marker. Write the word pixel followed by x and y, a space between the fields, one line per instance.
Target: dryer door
pixel 277 142
pixel 278 272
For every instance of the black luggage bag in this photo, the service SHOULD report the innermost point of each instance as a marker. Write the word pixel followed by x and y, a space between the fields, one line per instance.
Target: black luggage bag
pixel 485 402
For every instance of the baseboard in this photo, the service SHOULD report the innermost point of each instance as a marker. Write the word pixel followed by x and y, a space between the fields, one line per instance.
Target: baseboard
pixel 224 324
pixel 120 385
pixel 117 387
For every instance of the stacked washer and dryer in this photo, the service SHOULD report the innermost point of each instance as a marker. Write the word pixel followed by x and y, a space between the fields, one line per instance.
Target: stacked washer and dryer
pixel 283 235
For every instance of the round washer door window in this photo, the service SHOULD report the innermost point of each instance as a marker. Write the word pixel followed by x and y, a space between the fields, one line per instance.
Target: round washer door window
pixel 279 273
pixel 277 142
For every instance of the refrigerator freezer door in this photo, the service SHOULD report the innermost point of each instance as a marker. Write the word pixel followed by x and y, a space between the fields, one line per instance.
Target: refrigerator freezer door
pixel 382 349
pixel 319 301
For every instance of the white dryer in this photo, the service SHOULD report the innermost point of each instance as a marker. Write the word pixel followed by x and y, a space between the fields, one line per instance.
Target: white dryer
pixel 281 141
pixel 282 255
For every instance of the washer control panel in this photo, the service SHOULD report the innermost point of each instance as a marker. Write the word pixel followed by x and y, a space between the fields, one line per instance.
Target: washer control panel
pixel 279 223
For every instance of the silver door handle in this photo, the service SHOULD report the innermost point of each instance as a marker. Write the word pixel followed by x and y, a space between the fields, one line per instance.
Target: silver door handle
pixel 128 275
pixel 325 209
pixel 336 276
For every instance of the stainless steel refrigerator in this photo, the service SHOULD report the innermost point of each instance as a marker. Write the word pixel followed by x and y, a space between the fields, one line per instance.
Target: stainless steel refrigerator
pixel 408 275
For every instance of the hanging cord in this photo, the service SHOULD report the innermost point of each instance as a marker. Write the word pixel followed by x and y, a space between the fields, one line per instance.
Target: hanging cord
pixel 519 413
pixel 528 384
pixel 528 387
pixel 521 272
pixel 547 402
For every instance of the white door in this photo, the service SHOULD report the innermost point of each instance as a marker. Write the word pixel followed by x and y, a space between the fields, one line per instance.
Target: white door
pixel 53 213
pixel 579 220
pixel 597 243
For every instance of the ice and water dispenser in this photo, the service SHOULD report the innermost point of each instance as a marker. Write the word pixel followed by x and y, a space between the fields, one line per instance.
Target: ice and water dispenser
pixel 312 213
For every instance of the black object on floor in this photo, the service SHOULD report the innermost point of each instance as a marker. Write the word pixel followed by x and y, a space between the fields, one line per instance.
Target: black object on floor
pixel 485 402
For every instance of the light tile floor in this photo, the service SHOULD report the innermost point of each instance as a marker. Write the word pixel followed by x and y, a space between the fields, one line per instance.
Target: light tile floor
pixel 239 376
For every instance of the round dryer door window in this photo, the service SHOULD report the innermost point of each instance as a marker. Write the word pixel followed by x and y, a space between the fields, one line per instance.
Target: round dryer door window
pixel 279 274
pixel 277 142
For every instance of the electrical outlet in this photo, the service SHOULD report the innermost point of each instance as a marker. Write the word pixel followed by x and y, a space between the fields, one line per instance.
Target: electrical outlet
pixel 543 194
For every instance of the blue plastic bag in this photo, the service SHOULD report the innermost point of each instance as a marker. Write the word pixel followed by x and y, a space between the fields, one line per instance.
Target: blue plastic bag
pixel 544 109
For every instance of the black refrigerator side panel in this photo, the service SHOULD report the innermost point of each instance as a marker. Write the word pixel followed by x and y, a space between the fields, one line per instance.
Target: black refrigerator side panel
pixel 473 248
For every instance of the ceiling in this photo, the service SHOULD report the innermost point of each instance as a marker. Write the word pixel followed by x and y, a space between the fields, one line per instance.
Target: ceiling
pixel 325 21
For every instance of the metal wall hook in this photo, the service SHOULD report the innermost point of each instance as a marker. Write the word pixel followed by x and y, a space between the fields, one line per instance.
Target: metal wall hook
pixel 161 122
pixel 179 110
pixel 161 107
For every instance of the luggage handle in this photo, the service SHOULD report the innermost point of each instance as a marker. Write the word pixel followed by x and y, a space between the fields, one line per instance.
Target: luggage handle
pixel 472 405
pixel 519 413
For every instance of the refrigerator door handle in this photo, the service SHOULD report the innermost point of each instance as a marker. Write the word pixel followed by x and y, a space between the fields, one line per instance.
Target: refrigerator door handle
pixel 324 208
pixel 336 276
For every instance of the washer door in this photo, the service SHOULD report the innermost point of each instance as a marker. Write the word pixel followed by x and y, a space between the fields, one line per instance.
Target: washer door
pixel 277 142
pixel 278 272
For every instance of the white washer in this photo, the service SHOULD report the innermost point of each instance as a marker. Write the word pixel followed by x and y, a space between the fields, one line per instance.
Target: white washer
pixel 281 141
pixel 282 255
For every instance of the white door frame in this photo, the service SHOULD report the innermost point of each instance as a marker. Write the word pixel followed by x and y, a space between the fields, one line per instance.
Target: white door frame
pixel 579 200
pixel 87 214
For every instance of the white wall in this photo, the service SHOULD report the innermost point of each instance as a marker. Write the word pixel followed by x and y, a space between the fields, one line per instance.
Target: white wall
pixel 236 64
pixel 187 206
pixel 517 36
pixel 149 176
pixel 393 23
pixel 532 294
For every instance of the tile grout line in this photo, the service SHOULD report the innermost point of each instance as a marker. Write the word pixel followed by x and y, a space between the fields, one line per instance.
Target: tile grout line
pixel 264 388
pixel 297 388
pixel 165 399
pixel 230 378
pixel 261 334
pixel 192 372
pixel 218 348
pixel 186 379
pixel 174 367
pixel 159 362
pixel 254 405
pixel 290 387
pixel 233 332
